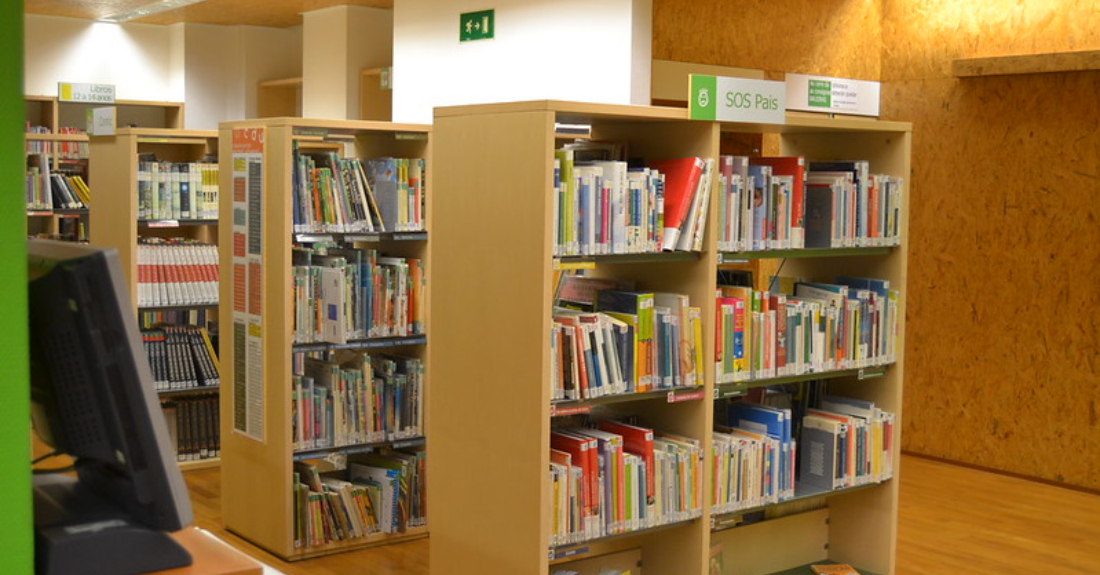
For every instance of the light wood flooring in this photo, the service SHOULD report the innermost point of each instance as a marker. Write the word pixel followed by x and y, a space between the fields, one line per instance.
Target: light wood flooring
pixel 953 520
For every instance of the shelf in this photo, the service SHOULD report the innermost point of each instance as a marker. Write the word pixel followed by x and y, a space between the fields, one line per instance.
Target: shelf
pixel 345 450
pixel 56 137
pixel 372 540
pixel 177 307
pixel 175 223
pixel 576 262
pixel 61 213
pixel 805 569
pixel 742 257
pixel 170 393
pixel 725 390
pixel 568 407
pixel 208 463
pixel 732 519
pixel 1026 64
pixel 373 343
pixel 572 551
pixel 355 237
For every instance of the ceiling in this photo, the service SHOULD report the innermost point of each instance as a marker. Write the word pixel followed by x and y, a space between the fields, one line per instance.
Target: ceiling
pixel 273 13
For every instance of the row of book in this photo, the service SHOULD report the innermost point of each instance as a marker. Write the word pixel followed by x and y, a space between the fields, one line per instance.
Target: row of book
pixel 761 453
pixel 775 203
pixel 206 317
pixel 604 206
pixel 64 150
pixel 363 399
pixel 56 192
pixel 177 190
pixel 634 342
pixel 193 426
pixel 180 357
pixel 48 189
pixel 376 493
pixel 176 271
pixel 343 294
pixel 616 477
pixel 817 327
pixel 349 195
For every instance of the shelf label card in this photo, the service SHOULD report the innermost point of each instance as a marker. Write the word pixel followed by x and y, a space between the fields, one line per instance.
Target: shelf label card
pixel 101 121
pixel 91 93
pixel 719 98
pixel 556 411
pixel 474 26
pixel 838 95
pixel 673 397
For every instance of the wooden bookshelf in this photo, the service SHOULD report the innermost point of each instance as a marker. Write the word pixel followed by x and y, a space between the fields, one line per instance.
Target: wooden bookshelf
pixel 114 162
pixel 376 94
pixel 279 98
pixel 258 442
pixel 492 297
pixel 49 112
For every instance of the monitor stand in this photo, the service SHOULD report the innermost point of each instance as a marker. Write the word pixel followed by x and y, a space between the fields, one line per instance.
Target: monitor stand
pixel 77 532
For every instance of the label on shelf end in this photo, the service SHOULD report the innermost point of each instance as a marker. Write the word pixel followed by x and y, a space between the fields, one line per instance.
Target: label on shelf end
pixel 673 397
pixel 162 223
pixel 556 554
pixel 560 265
pixel 871 372
pixel 556 411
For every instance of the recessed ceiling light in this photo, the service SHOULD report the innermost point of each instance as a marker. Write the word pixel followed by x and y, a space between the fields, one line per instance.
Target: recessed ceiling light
pixel 148 9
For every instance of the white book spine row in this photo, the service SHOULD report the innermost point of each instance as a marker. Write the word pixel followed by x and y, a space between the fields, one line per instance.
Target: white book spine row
pixel 177 274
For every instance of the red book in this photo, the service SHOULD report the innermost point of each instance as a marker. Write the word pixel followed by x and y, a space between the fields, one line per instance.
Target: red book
pixel 577 448
pixel 585 455
pixel 794 166
pixel 681 180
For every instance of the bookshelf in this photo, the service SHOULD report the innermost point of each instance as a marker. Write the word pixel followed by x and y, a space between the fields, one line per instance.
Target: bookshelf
pixel 279 98
pixel 493 287
pixel 46 118
pixel 117 222
pixel 258 403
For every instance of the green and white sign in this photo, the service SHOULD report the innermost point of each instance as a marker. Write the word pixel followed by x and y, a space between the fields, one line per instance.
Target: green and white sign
pixel 718 98
pixel 93 93
pixel 476 26
pixel 835 95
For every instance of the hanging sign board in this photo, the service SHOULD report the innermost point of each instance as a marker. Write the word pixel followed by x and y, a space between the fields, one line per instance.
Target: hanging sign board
pixel 91 93
pixel 833 95
pixel 718 98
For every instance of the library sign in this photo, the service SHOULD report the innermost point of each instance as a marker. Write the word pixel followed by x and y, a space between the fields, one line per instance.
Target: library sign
pixel 736 99
pixel 837 95
pixel 90 93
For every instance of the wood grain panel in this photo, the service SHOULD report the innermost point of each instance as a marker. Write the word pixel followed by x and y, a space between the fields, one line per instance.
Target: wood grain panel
pixel 921 38
pixel 827 37
pixel 1005 260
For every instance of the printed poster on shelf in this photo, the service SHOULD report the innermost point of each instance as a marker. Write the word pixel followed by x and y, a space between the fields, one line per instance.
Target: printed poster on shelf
pixel 247 278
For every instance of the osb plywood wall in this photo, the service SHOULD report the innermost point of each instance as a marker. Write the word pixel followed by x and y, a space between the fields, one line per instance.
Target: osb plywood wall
pixel 1003 349
pixel 828 37
pixel 1004 251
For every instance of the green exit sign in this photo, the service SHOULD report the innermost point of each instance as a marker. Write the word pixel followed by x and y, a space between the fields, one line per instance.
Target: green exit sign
pixel 476 26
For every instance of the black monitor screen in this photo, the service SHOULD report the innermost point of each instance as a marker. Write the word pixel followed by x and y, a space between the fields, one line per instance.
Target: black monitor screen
pixel 92 398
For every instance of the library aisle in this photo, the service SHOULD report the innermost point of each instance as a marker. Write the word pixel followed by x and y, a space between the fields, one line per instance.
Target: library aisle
pixel 952 520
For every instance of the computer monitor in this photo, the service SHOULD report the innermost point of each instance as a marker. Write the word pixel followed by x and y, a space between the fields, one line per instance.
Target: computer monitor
pixel 92 398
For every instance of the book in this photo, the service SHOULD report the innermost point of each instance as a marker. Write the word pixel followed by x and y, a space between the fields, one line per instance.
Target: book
pixel 682 177
pixel 795 168
pixel 834 569
pixel 639 305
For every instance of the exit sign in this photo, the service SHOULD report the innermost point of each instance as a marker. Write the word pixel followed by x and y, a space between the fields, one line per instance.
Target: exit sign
pixel 476 26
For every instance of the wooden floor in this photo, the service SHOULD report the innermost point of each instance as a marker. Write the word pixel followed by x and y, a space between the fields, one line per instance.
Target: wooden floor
pixel 953 520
